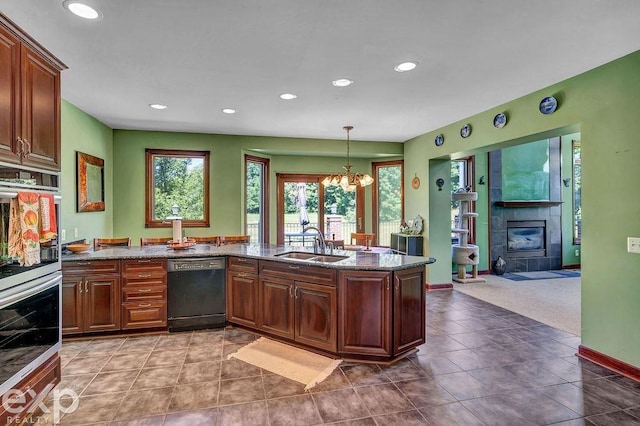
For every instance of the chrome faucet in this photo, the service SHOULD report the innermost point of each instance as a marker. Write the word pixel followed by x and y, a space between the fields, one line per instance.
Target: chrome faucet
pixel 319 245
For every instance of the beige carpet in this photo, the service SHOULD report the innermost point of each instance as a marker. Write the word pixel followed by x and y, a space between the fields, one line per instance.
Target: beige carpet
pixel 555 302
pixel 293 363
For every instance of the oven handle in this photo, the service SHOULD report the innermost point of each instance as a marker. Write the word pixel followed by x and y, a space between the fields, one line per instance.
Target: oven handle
pixel 30 291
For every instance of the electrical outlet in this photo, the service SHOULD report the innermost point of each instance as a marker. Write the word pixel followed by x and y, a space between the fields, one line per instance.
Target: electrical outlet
pixel 577 252
pixel 633 244
pixel 75 232
pixel 63 235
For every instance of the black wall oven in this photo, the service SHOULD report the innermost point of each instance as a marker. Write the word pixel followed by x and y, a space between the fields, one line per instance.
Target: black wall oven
pixel 30 297
pixel 30 330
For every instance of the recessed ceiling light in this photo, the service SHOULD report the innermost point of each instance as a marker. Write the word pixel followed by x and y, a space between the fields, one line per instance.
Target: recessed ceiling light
pixel 406 66
pixel 288 96
pixel 342 82
pixel 228 110
pixel 158 106
pixel 81 9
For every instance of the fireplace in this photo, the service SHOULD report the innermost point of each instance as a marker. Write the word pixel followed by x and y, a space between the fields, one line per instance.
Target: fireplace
pixel 526 238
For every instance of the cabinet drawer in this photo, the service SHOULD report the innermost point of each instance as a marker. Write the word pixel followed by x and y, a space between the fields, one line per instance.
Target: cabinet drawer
pixel 298 272
pixel 144 314
pixel 144 293
pixel 242 264
pixel 135 266
pixel 91 267
pixel 144 278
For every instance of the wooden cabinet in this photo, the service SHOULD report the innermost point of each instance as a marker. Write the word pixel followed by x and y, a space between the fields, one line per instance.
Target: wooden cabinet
pixel 90 296
pixel 381 313
pixel 144 293
pixel 316 319
pixel 29 100
pixel 298 302
pixel 242 291
pixel 411 245
pixel 29 393
pixel 408 309
pixel 365 313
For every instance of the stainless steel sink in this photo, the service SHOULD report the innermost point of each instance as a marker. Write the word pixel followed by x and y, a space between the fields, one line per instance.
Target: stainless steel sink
pixel 327 258
pixel 311 257
pixel 298 255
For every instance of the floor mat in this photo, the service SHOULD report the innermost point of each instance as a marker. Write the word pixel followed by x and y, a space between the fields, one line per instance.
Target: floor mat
pixel 540 275
pixel 293 363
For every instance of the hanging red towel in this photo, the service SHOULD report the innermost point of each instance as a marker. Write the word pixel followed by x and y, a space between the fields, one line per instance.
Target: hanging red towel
pixel 48 226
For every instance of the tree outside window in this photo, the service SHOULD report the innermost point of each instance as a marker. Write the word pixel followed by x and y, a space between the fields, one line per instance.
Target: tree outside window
pixel 176 177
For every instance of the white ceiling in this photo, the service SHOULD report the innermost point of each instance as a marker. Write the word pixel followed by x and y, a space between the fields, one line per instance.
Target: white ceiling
pixel 199 56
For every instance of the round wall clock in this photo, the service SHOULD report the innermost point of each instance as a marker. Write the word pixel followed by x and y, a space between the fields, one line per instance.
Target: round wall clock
pixel 548 105
pixel 500 120
pixel 465 131
pixel 439 140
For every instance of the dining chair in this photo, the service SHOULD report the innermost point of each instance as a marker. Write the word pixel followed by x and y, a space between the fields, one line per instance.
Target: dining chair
pixel 100 243
pixel 148 241
pixel 337 244
pixel 207 240
pixel 362 239
pixel 235 239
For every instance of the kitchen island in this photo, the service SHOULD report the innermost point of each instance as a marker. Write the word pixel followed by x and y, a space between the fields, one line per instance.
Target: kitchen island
pixel 353 305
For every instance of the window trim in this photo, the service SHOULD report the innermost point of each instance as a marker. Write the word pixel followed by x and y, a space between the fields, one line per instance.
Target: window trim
pixel 265 195
pixel 150 153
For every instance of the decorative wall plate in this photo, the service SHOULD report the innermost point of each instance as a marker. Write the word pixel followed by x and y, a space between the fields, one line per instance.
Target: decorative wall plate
pixel 548 105
pixel 415 182
pixel 465 131
pixel 500 120
pixel 439 140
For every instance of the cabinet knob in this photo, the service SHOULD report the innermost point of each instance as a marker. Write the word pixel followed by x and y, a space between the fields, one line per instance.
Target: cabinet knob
pixel 144 290
pixel 294 267
pixel 28 150
pixel 144 275
pixel 144 305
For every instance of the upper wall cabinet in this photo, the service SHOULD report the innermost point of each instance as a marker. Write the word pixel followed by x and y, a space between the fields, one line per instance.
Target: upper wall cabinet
pixel 29 100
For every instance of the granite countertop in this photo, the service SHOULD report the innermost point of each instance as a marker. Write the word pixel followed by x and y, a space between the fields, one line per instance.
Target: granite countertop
pixel 362 260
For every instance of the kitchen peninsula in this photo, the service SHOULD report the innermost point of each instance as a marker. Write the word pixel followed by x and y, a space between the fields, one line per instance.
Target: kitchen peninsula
pixel 353 305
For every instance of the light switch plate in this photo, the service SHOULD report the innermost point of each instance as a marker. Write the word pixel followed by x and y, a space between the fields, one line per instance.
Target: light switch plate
pixel 63 235
pixel 633 244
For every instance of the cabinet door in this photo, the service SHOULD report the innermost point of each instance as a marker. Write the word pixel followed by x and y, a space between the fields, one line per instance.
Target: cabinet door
pixel 315 315
pixel 72 303
pixel 364 314
pixel 409 309
pixel 40 111
pixel 102 302
pixel 276 303
pixel 9 95
pixel 242 298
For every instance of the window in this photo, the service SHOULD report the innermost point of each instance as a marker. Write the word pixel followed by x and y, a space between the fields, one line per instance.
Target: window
pixel 388 203
pixel 303 201
pixel 256 198
pixel 180 178
pixel 577 191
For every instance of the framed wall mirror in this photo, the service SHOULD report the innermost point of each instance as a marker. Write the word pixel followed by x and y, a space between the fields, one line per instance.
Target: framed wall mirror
pixel 90 183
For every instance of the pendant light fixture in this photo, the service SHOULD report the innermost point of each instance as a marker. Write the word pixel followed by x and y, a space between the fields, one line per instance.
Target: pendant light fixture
pixel 348 181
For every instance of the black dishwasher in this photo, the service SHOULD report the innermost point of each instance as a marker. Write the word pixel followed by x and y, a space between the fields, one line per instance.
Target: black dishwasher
pixel 196 293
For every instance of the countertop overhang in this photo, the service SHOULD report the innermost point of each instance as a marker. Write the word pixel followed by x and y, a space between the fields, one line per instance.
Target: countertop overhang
pixel 359 260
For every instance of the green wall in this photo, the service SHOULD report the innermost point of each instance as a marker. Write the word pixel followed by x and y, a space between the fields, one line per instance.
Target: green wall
pixel 227 173
pixel 602 104
pixel 81 132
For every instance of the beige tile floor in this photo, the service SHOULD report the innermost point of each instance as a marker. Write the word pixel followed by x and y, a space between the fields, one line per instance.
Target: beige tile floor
pixel 481 365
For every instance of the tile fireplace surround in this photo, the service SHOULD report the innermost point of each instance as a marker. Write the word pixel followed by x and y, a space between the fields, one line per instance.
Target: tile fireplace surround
pixel 546 214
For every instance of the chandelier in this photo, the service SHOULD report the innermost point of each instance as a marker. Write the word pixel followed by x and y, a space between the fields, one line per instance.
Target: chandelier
pixel 348 181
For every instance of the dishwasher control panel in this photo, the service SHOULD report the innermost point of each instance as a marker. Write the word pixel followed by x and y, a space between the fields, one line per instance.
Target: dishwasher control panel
pixel 195 264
